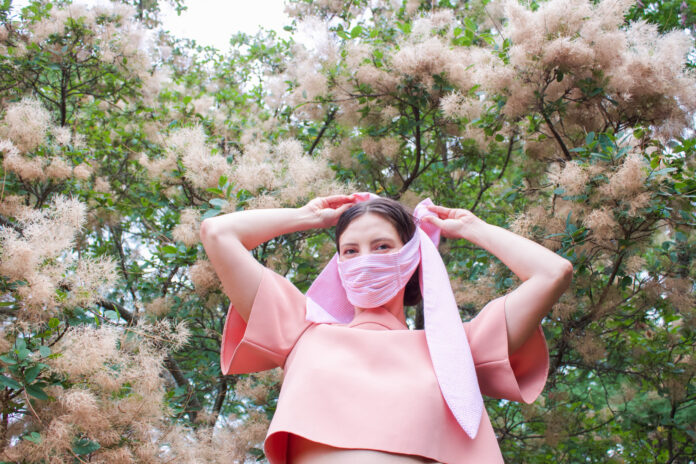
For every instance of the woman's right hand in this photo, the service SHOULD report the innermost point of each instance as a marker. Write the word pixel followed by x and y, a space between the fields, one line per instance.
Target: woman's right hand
pixel 327 210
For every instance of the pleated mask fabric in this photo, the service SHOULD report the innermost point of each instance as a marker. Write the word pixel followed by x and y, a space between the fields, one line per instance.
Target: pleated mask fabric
pixel 328 302
pixel 372 280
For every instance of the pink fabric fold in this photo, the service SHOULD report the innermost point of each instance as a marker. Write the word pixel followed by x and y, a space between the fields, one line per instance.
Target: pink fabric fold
pixel 447 342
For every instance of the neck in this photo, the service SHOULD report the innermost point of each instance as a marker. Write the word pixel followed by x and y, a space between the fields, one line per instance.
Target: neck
pixel 394 306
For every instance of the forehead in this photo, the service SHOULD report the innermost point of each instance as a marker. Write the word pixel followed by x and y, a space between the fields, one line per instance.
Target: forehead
pixel 367 227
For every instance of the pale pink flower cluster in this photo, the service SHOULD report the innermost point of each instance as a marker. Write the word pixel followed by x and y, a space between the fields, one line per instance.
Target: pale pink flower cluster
pixel 590 347
pixel 203 277
pixel 25 127
pixel 25 124
pixel 317 52
pixel 572 178
pixel 322 8
pixel 187 231
pixel 422 59
pixel 203 168
pixel 565 42
pixel 90 279
pixel 456 105
pixel 82 171
pixel 160 306
pixel 114 36
pixel 281 174
pixel 386 149
pixel 602 223
pixel 629 179
pixel 62 135
pixel 39 256
pixel 113 394
pixel 216 445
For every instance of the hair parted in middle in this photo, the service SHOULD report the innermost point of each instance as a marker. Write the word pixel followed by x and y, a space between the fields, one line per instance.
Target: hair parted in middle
pixel 403 222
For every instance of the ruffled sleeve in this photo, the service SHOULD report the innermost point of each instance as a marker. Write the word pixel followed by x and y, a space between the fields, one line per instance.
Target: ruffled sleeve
pixel 520 377
pixel 276 322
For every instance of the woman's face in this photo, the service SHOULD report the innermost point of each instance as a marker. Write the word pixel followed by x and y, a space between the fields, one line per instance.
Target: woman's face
pixel 369 233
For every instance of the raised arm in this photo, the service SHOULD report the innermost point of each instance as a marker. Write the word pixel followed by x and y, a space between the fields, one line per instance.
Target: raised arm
pixel 227 240
pixel 545 275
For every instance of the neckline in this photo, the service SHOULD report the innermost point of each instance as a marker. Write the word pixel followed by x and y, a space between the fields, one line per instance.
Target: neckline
pixel 379 316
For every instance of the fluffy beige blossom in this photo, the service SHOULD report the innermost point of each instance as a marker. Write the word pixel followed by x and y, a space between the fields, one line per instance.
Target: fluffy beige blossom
pixel 25 167
pixel 422 60
pixel 602 223
pixel 590 347
pixel 455 105
pixel 25 124
pixel 62 135
pixel 90 280
pixel 82 171
pixel 102 185
pixel 203 277
pixel 85 350
pixel 58 169
pixel 572 178
pixel 159 306
pixel 187 231
pixel 629 179
pixel 203 168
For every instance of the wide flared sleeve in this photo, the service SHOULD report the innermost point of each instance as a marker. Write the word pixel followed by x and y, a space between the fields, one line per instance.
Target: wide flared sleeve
pixel 276 322
pixel 519 377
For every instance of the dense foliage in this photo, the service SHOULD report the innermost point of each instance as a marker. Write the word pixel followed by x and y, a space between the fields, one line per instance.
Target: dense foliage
pixel 569 122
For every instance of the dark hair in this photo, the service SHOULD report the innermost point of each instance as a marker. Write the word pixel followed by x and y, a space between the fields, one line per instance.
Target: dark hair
pixel 400 218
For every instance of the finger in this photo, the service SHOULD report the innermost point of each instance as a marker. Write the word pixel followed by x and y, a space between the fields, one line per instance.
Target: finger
pixel 441 211
pixel 335 201
pixel 340 210
pixel 434 220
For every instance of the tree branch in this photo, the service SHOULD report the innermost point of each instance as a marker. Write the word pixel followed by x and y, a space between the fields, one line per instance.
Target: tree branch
pixel 329 118
pixel 5 222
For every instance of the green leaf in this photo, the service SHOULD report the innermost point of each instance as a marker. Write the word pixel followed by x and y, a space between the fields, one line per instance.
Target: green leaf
pixel 34 437
pixel 356 31
pixel 45 351
pixel 111 315
pixel 22 354
pixel 210 213
pixel 660 172
pixel 9 383
pixel 37 392
pixel 218 203
pixel 214 190
pixel 169 250
pixel 53 322
pixel 31 374
pixel 82 446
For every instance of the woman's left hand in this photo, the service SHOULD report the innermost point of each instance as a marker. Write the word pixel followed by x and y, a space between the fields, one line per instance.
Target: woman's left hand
pixel 453 222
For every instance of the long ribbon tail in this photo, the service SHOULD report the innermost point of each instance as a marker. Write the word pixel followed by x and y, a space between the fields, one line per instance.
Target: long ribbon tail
pixel 447 342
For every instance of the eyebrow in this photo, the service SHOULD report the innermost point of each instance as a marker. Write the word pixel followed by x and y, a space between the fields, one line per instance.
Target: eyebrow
pixel 380 239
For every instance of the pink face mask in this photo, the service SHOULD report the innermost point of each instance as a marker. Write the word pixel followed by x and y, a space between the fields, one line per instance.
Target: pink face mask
pixel 374 279
pixel 365 282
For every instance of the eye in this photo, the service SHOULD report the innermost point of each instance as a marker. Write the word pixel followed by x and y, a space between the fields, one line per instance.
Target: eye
pixel 349 251
pixel 383 247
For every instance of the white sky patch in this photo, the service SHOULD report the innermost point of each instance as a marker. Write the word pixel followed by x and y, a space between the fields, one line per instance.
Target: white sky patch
pixel 213 22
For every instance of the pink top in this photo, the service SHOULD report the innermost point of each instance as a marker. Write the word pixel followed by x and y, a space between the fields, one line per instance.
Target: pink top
pixel 370 384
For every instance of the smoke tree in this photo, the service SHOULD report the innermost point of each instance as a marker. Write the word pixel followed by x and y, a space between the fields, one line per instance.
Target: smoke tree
pixel 569 122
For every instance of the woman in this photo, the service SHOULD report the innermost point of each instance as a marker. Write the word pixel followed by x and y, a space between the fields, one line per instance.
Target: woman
pixel 364 389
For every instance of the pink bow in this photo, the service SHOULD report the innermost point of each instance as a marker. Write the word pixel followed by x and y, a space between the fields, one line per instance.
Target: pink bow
pixel 444 331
